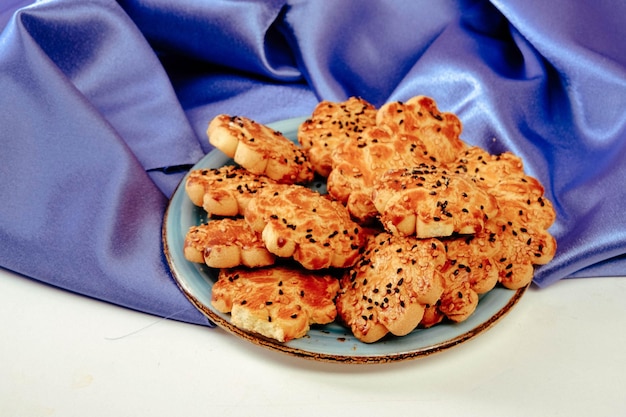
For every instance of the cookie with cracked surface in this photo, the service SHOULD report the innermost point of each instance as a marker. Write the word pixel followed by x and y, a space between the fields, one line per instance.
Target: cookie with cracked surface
pixel 523 198
pixel 297 222
pixel 433 134
pixel 486 169
pixel 329 124
pixel 503 176
pixel 524 214
pixel 524 244
pixel 406 135
pixel 429 201
pixel 390 287
pixel 357 162
pixel 469 271
pixel 260 149
pixel 224 191
pixel 278 302
pixel 226 243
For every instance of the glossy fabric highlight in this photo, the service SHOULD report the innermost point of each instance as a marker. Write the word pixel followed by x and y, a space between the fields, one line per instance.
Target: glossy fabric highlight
pixel 104 106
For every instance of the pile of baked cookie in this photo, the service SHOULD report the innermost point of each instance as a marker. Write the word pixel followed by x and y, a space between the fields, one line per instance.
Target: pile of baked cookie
pixel 414 226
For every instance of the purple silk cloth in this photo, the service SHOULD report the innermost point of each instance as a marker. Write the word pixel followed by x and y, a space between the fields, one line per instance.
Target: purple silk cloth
pixel 104 106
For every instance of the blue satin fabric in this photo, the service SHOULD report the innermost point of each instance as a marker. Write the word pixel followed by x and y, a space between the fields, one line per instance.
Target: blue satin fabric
pixel 104 105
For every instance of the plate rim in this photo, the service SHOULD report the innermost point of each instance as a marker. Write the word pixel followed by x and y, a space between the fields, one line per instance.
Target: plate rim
pixel 274 345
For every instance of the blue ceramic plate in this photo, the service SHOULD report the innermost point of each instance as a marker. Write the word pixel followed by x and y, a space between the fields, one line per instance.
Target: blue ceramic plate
pixel 332 342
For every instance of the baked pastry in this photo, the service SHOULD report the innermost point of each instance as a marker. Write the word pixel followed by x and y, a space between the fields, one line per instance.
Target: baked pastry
pixel 297 222
pixel 356 163
pixel 428 201
pixel 486 169
pixel 470 270
pixel 503 177
pixel 524 244
pixel 278 302
pixel 226 243
pixel 260 149
pixel 390 287
pixel 524 214
pixel 406 135
pixel 430 133
pixel 329 124
pixel 224 191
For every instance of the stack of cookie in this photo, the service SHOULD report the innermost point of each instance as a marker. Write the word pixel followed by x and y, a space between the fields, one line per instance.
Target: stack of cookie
pixel 416 223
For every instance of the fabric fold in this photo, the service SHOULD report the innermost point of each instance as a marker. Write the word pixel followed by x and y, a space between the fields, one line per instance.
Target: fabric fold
pixel 83 41
pixel 240 35
pixel 580 127
pixel 79 210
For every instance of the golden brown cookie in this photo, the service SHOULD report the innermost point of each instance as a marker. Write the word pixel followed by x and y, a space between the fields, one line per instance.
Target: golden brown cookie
pixel 390 287
pixel 469 271
pixel 503 176
pixel 406 135
pixel 428 201
pixel 226 243
pixel 260 149
pixel 486 169
pixel 277 302
pixel 431 133
pixel 524 195
pixel 297 222
pixel 329 124
pixel 523 245
pixel 357 162
pixel 432 316
pixel 224 191
pixel 524 214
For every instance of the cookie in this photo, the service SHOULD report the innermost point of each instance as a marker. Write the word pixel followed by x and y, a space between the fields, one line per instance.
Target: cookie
pixel 390 287
pixel 522 198
pixel 224 191
pixel 299 223
pixel 431 133
pixel 260 149
pixel 356 163
pixel 226 243
pixel 524 244
pixel 470 270
pixel 278 302
pixel 486 169
pixel 428 201
pixel 503 177
pixel 329 124
pixel 524 213
pixel 406 135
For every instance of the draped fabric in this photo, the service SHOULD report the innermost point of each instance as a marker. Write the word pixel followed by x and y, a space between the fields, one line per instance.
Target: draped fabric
pixel 104 107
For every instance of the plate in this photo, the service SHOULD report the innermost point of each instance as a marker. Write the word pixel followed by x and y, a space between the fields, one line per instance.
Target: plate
pixel 331 342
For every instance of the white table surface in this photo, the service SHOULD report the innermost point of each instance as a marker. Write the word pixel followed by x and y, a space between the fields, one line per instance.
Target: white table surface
pixel 559 352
